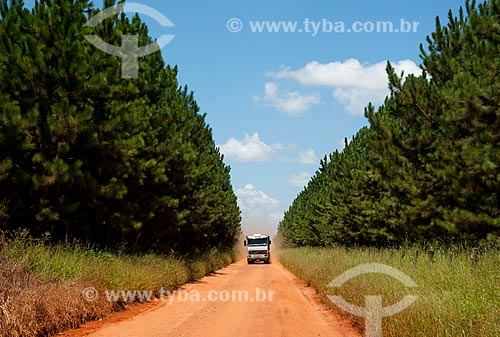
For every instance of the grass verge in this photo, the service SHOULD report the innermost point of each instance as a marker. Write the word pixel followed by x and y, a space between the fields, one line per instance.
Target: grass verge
pixel 42 286
pixel 454 299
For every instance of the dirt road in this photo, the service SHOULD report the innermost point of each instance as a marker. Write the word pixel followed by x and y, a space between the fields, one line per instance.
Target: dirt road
pixel 238 301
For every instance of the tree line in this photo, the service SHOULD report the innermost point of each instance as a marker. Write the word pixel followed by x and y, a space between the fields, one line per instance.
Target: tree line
pixel 428 165
pixel 87 155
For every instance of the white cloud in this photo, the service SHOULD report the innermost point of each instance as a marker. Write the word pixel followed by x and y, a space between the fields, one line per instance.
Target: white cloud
pixel 308 157
pixel 355 84
pixel 291 102
pixel 252 200
pixel 355 100
pixel 251 149
pixel 260 212
pixel 299 179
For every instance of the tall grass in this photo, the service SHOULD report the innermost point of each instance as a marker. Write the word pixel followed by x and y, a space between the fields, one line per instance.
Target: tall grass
pixel 454 300
pixel 41 285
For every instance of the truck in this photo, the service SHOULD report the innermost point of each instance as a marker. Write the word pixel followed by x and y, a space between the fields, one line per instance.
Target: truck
pixel 258 248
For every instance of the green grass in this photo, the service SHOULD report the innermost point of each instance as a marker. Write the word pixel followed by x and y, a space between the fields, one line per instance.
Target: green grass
pixel 41 285
pixel 454 300
pixel 108 270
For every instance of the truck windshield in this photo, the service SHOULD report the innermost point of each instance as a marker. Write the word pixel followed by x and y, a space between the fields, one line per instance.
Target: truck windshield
pixel 257 242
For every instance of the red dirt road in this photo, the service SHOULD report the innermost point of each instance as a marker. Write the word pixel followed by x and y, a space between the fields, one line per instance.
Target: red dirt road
pixel 278 305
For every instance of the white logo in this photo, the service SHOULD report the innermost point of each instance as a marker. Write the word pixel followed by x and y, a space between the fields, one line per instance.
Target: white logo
pixel 129 51
pixel 234 25
pixel 373 311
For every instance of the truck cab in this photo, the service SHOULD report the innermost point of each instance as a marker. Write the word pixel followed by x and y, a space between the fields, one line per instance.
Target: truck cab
pixel 258 248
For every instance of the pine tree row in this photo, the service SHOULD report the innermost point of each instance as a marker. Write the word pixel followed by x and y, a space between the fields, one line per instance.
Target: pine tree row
pixel 86 154
pixel 428 165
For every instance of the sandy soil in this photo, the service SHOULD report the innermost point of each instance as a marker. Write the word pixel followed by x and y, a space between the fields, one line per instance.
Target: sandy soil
pixel 278 304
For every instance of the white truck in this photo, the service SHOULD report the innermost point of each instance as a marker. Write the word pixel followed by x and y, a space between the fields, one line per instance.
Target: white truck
pixel 258 248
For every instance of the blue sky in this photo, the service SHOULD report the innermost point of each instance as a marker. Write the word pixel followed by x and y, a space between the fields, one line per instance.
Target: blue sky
pixel 278 102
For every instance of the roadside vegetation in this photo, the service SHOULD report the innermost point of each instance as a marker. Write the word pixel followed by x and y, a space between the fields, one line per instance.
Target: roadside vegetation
pixel 89 155
pixel 118 181
pixel 42 285
pixel 425 169
pixel 455 299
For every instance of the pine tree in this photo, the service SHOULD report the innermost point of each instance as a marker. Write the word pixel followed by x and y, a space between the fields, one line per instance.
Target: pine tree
pixel 87 154
pixel 428 166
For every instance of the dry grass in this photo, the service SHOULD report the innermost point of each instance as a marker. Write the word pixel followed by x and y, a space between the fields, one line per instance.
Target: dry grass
pixel 41 286
pixel 30 306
